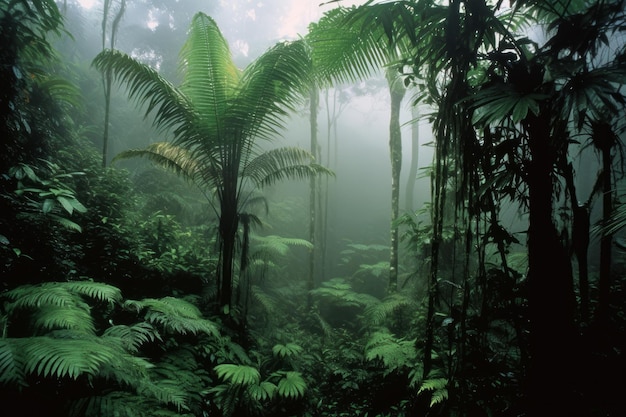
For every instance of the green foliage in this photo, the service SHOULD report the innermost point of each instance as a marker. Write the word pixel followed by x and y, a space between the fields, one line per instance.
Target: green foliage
pixel 51 197
pixel 174 315
pixel 291 385
pixel 238 374
pixel 438 388
pixel 286 350
pixel 60 305
pixel 377 313
pixel 338 292
pixel 397 355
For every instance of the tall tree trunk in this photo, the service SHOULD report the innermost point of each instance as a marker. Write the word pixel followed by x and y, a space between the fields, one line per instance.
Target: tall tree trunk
pixel 396 91
pixel 605 139
pixel 228 236
pixel 314 104
pixel 107 78
pixel 415 152
pixel 551 299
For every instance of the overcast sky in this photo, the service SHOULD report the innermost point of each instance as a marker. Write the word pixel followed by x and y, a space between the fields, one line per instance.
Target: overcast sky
pixel 247 23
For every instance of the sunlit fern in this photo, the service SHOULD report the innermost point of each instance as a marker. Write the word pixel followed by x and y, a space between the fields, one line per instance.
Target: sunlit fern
pixel 437 387
pixel 173 315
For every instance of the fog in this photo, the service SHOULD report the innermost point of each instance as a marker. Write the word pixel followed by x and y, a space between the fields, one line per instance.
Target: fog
pixel 356 147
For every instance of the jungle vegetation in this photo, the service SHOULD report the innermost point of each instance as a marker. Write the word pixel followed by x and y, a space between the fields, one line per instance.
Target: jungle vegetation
pixel 155 282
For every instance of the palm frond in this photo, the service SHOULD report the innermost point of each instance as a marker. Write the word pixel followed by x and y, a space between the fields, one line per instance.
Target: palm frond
pixel 291 384
pixel 172 109
pixel 238 374
pixel 286 350
pixel 263 391
pixel 283 163
pixel 270 88
pixel 210 75
pixel 345 47
pixel 273 245
pixel 177 159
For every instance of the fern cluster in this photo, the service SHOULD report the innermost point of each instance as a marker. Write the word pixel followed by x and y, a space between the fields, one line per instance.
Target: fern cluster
pixel 66 344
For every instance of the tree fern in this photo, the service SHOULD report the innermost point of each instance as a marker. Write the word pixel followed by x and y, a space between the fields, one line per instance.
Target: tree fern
pixel 174 315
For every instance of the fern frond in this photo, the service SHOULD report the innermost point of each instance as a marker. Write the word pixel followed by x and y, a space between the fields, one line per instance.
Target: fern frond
pixel 439 389
pixel 377 313
pixel 263 299
pixel 77 318
pixel 327 329
pixel 174 315
pixel 11 363
pixel 278 245
pixel 165 391
pixel 96 290
pixel 133 337
pixel 337 291
pixel 238 374
pixel 291 384
pixel 35 296
pixel 394 353
pixel 62 358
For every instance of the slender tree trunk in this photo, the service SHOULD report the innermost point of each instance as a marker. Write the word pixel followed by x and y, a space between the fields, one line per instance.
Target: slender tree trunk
pixel 314 104
pixel 228 235
pixel 107 78
pixel 606 242
pixel 396 91
pixel 550 284
pixel 415 152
